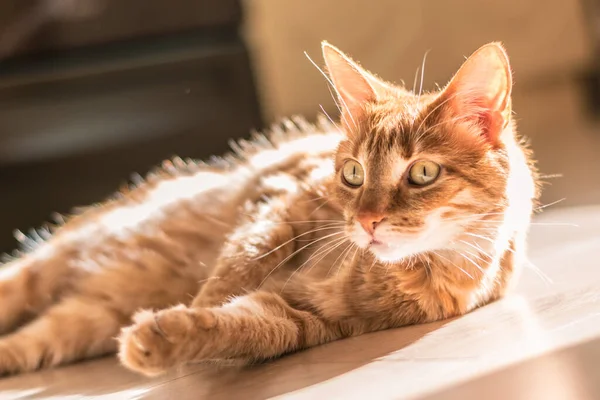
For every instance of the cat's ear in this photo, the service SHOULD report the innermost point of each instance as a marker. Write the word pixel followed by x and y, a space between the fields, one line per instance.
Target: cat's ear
pixel 480 91
pixel 354 86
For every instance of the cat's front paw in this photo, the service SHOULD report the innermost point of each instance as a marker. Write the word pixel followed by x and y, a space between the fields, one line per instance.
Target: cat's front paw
pixel 12 359
pixel 159 341
pixel 19 353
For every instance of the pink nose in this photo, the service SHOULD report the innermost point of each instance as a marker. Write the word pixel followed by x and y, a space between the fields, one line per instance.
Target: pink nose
pixel 369 221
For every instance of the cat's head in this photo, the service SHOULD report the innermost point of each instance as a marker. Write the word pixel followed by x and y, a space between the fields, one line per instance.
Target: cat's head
pixel 416 171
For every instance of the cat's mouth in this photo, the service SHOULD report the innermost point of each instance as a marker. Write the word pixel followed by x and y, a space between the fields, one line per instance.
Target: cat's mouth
pixel 378 243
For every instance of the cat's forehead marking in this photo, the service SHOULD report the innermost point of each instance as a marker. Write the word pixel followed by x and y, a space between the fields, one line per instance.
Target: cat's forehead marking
pixel 399 167
pixel 384 164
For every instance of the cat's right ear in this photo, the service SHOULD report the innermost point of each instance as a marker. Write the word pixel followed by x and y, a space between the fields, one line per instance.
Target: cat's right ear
pixel 354 86
pixel 481 89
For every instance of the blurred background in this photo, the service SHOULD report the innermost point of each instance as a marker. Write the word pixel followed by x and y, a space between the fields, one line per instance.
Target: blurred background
pixel 92 91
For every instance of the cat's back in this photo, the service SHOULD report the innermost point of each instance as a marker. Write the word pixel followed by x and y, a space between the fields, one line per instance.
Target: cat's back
pixel 161 235
pixel 186 204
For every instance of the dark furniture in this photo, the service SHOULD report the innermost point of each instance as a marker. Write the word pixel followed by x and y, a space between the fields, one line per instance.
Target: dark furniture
pixel 91 96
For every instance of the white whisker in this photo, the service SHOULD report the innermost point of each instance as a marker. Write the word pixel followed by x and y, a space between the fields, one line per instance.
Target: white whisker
pixel 336 243
pixel 344 260
pixel 337 105
pixel 332 85
pixel 550 204
pixel 427 265
pixel 318 208
pixel 480 237
pixel 353 258
pixel 479 250
pixel 545 278
pixel 422 74
pixel 554 224
pixel 372 265
pixel 415 81
pixel 338 258
pixel 296 252
pixel 329 118
pixel 551 176
pixel 453 263
pixel 472 262
pixel 322 228
pixel 333 244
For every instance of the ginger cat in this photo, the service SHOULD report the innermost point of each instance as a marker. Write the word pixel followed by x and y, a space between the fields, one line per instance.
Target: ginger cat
pixel 414 209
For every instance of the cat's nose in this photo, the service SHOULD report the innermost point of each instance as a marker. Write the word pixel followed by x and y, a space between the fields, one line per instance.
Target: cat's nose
pixel 369 221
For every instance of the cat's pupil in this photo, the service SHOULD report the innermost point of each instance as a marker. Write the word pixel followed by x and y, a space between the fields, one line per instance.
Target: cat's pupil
pixel 354 170
pixel 424 171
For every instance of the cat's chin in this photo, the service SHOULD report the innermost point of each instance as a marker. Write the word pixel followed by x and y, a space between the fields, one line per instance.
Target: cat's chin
pixel 382 250
pixel 389 254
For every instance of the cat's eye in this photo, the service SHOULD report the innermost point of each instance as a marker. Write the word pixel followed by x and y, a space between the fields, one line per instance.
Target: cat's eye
pixel 423 172
pixel 353 173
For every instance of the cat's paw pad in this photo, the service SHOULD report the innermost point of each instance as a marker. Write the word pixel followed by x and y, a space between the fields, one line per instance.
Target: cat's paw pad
pixel 159 341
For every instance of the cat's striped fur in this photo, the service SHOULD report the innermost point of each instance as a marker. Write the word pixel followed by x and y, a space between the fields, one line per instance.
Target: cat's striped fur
pixel 260 254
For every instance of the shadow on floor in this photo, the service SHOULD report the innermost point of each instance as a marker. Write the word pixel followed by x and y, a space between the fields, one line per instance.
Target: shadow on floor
pixel 104 377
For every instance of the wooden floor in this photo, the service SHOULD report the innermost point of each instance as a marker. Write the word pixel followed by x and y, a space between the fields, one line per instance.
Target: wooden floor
pixel 543 342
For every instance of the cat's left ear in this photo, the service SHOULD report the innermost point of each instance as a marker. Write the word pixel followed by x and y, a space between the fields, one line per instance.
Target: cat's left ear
pixel 355 87
pixel 480 91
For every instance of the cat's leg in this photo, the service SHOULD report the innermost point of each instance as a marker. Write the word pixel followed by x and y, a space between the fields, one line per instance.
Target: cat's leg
pixel 83 321
pixel 250 254
pixel 31 284
pixel 255 327
pixel 74 328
